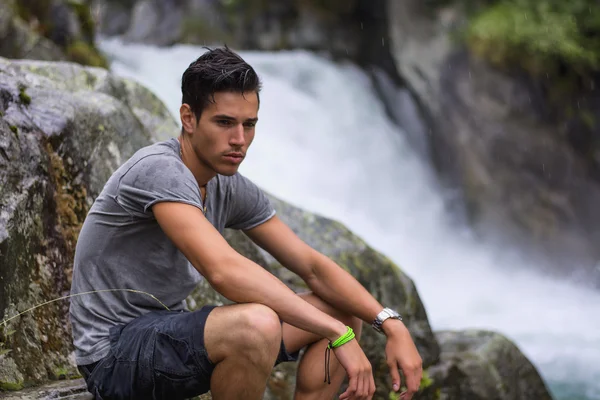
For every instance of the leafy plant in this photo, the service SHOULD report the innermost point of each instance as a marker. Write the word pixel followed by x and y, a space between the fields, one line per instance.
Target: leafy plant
pixel 550 37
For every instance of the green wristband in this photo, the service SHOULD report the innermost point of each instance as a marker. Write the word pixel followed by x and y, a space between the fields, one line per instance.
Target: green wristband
pixel 345 338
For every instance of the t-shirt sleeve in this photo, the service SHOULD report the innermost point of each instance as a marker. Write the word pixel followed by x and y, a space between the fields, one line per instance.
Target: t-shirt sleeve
pixel 249 206
pixel 156 178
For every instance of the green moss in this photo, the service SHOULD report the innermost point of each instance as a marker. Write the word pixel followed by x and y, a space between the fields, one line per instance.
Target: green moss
pixel 11 386
pixel 65 372
pixel 14 129
pixel 23 96
pixel 84 16
pixel 85 54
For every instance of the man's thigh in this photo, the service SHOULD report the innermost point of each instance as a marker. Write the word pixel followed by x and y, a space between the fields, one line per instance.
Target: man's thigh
pixel 160 355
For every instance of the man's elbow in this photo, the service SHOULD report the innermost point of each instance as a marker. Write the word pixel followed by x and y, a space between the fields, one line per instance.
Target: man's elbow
pixel 218 272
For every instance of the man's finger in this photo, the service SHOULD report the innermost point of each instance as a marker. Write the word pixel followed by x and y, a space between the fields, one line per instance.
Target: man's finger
pixel 359 385
pixel 395 375
pixel 373 387
pixel 413 381
pixel 350 390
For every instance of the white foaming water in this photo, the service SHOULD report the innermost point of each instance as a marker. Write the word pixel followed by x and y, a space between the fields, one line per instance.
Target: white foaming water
pixel 324 143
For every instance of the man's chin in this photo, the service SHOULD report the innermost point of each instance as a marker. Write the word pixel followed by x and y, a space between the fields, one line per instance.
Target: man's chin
pixel 228 170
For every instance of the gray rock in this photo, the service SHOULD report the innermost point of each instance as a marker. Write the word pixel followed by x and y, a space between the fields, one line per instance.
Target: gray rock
pixel 483 365
pixel 157 22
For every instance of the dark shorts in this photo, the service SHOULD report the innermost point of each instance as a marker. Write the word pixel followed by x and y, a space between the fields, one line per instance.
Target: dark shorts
pixel 159 355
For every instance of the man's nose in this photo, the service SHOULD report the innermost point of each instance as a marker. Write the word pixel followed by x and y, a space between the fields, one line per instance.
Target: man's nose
pixel 237 137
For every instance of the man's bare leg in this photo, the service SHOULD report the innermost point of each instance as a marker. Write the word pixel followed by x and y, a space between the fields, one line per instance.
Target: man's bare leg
pixel 243 340
pixel 311 370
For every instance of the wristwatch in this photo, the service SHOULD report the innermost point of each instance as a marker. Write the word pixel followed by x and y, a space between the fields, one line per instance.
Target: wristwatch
pixel 382 316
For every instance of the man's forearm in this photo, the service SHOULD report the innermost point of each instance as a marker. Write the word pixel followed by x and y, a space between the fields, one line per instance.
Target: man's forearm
pixel 243 281
pixel 340 289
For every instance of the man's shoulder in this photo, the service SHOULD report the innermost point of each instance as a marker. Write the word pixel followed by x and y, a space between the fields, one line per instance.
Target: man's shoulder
pixel 166 149
pixel 157 157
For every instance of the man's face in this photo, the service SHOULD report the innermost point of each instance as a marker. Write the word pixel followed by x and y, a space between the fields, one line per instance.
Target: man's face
pixel 225 131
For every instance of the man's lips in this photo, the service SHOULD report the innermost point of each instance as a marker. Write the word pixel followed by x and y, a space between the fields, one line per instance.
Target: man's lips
pixel 234 157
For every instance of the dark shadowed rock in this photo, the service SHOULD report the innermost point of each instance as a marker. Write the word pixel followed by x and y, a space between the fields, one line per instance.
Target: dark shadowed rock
pixel 50 30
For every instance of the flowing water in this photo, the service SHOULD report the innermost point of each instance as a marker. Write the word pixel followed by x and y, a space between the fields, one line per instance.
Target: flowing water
pixel 325 143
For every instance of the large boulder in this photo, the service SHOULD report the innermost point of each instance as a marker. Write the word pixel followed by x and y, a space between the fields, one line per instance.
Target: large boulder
pixel 483 365
pixel 494 137
pixel 63 130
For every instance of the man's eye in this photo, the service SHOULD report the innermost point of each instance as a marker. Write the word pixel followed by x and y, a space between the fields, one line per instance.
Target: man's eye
pixel 224 122
pixel 250 124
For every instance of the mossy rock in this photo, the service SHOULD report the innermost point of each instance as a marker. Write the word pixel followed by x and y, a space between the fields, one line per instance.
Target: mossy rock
pixel 64 130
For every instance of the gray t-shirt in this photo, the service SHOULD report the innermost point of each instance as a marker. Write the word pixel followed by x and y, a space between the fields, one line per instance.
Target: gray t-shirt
pixel 122 246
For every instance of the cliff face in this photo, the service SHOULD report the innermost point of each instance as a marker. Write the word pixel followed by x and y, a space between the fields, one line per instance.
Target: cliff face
pixel 522 158
pixel 63 130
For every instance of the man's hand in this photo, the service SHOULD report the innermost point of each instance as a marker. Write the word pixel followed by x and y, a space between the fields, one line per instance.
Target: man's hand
pixel 401 353
pixel 361 385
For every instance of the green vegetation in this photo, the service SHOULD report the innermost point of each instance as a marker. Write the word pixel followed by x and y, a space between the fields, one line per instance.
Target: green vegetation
pixel 544 37
pixel 23 96
pixel 83 53
pixel 11 386
pixel 84 16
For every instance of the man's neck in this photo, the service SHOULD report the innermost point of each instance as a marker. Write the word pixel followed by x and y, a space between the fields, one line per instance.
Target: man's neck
pixel 201 172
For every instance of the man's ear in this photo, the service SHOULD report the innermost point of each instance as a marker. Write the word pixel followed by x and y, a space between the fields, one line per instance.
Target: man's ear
pixel 188 119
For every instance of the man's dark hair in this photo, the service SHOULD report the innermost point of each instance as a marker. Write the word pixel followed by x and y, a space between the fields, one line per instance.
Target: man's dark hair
pixel 217 70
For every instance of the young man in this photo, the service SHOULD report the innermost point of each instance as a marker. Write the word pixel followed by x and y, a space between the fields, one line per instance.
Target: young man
pixel 155 228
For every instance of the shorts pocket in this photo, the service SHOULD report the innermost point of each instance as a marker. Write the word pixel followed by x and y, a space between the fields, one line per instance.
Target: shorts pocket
pixel 174 357
pixel 169 386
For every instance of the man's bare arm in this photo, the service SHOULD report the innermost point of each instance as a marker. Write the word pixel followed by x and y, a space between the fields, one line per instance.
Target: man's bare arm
pixel 233 275
pixel 324 277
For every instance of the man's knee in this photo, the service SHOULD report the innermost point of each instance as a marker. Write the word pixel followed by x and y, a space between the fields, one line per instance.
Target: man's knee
pixel 248 329
pixel 261 324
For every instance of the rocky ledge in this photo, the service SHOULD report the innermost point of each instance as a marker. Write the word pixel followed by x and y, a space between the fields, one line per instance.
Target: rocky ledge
pixel 63 129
